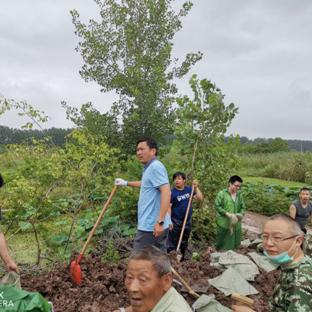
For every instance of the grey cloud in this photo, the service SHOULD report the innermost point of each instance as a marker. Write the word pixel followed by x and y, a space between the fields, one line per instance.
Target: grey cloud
pixel 258 52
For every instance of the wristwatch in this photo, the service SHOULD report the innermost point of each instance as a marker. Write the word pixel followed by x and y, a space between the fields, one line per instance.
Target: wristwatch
pixel 160 222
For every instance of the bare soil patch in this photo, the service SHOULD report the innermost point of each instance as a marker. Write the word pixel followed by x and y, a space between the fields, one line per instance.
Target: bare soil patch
pixel 103 287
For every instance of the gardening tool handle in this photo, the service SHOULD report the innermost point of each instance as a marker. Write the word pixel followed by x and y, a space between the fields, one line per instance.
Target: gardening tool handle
pixel 185 284
pixel 242 299
pixel 97 222
pixel 185 218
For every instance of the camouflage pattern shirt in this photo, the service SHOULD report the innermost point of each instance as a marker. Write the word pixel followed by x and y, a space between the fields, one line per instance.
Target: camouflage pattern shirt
pixel 307 245
pixel 293 292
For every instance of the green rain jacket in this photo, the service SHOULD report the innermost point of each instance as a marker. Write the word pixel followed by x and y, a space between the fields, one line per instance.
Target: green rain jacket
pixel 228 237
pixel 225 203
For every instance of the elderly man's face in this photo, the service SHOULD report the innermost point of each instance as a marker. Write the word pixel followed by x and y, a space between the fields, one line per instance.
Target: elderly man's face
pixel 144 285
pixel 278 237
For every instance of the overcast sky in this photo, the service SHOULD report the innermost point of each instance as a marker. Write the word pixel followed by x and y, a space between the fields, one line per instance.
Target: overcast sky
pixel 259 53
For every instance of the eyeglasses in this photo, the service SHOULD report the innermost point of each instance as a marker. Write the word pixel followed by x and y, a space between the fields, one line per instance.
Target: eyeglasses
pixel 275 240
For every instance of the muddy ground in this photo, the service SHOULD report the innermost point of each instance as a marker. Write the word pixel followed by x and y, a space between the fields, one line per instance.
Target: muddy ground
pixel 103 288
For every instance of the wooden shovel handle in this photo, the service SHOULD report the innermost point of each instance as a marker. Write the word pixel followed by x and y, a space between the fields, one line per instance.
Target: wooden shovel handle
pixel 98 221
pixel 185 218
pixel 242 299
pixel 185 284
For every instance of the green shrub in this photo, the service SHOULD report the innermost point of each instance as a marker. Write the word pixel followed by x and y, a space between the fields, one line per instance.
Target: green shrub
pixel 203 223
pixel 111 254
pixel 290 166
pixel 267 199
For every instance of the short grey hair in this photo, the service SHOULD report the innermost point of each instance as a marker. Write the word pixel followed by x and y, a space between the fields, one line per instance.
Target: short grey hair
pixel 158 258
pixel 293 224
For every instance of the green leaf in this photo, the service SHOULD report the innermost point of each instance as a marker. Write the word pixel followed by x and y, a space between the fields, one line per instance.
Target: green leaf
pixel 25 226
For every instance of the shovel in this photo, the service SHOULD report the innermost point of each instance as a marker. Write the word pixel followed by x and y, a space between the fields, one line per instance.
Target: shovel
pixel 179 254
pixel 75 269
pixel 185 284
pixel 240 299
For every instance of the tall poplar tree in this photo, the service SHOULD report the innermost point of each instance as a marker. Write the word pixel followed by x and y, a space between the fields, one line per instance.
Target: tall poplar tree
pixel 129 50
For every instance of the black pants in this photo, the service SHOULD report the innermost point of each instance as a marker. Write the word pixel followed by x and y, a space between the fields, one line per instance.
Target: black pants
pixel 174 236
pixel 144 238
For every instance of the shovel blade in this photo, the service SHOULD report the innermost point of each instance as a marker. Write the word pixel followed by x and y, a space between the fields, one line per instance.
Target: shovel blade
pixel 75 272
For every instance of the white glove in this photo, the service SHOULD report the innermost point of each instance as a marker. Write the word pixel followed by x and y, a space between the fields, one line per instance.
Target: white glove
pixel 232 217
pixel 121 182
pixel 239 216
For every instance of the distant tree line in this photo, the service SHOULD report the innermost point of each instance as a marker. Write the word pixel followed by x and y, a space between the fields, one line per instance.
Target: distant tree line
pixel 58 137
pixel 300 145
pixel 18 136
pixel 272 145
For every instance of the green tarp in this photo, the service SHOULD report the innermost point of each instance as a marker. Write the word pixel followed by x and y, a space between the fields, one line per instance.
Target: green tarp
pixel 263 262
pixel 209 304
pixel 14 299
pixel 250 243
pixel 12 279
pixel 239 262
pixel 231 281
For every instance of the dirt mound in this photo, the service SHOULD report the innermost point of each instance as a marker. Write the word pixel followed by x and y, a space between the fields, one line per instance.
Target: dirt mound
pixel 103 289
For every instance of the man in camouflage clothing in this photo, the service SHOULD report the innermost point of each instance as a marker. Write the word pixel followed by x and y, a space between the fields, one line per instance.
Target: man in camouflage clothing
pixel 282 239
pixel 307 245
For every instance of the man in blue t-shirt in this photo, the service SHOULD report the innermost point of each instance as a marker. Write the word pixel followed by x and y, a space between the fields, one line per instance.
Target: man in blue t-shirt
pixel 180 196
pixel 154 199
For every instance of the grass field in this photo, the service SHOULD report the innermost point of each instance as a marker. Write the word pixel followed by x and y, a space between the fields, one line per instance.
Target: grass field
pixel 274 181
pixel 22 248
pixel 22 245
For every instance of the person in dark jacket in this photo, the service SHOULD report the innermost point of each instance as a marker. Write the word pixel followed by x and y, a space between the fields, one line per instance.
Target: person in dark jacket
pixel 301 209
pixel 180 196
